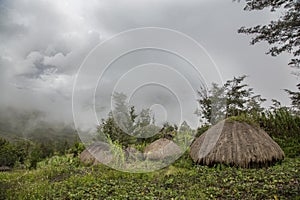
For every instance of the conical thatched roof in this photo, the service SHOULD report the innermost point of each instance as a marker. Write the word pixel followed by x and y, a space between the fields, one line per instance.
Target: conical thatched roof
pixel 161 149
pixel 235 143
pixel 96 153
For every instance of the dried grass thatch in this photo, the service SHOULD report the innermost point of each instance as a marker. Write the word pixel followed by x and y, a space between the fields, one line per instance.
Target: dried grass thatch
pixel 161 149
pixel 96 153
pixel 236 143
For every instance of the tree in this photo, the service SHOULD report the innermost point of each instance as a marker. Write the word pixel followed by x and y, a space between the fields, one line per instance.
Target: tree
pixel 123 122
pixel 295 98
pixel 8 153
pixel 234 98
pixel 110 128
pixel 185 135
pixel 212 104
pixel 121 113
pixel 144 118
pixel 127 127
pixel 283 34
pixel 23 150
pixel 35 156
pixel 240 98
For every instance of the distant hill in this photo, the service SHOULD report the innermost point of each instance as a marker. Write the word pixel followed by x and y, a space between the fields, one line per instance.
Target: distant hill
pixel 16 125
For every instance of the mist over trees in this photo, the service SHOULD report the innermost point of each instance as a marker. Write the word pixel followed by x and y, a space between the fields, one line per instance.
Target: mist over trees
pixel 18 124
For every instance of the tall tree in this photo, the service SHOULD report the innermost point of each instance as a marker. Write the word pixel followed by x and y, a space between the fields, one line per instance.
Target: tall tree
pixel 232 99
pixel 240 98
pixel 282 34
pixel 121 113
pixel 212 104
pixel 124 125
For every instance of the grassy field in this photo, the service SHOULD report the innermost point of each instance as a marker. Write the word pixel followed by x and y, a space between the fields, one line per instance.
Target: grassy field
pixel 65 178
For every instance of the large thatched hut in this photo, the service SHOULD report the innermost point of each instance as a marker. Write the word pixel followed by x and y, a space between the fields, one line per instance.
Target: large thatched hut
pixel 99 152
pixel 162 149
pixel 236 143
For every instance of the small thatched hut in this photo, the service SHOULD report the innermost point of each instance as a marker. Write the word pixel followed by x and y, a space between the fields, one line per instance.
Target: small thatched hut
pixel 161 149
pixel 96 153
pixel 235 143
pixel 5 168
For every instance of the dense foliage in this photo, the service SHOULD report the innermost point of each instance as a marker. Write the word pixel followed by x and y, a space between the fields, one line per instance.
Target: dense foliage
pixel 26 153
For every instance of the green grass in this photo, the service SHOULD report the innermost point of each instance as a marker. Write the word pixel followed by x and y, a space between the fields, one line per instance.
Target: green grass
pixel 65 178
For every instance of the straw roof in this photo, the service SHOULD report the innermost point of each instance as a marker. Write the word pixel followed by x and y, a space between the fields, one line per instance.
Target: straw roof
pixel 161 149
pixel 96 153
pixel 237 144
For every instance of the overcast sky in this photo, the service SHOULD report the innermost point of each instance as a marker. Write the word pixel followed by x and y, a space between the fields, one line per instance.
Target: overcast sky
pixel 43 43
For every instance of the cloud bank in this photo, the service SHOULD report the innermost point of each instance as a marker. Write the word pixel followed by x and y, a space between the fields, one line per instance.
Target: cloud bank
pixel 43 43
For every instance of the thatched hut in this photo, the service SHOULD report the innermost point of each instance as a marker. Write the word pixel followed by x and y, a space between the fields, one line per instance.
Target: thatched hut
pixel 162 149
pixel 96 153
pixel 235 143
pixel 5 168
